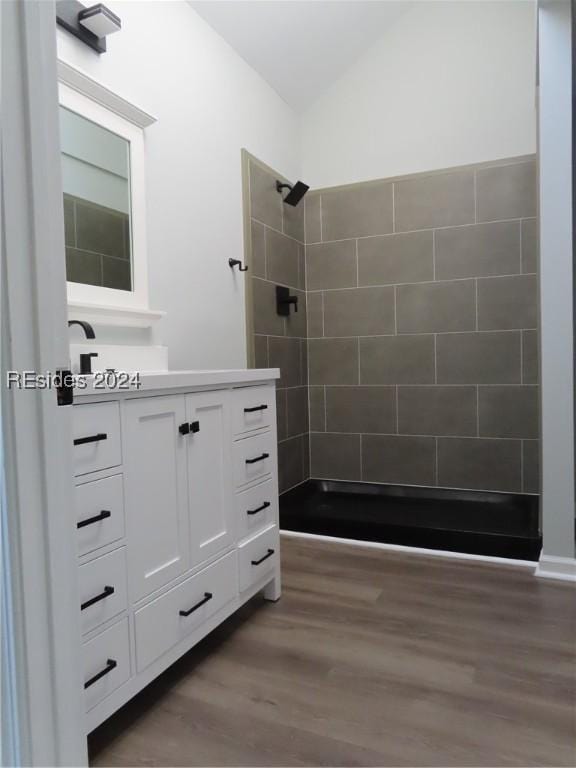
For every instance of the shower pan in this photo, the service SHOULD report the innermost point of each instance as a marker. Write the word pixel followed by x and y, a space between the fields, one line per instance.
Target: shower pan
pixel 475 522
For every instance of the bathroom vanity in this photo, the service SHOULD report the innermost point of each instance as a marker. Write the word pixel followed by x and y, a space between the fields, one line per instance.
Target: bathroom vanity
pixel 177 519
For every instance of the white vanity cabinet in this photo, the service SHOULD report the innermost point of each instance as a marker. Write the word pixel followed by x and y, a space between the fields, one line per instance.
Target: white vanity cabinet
pixel 210 493
pixel 177 520
pixel 155 491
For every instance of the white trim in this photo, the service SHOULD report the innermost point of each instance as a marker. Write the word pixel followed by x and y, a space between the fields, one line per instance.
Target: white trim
pixel 409 550
pixel 37 433
pixel 561 568
pixel 80 81
pixel 125 317
pixel 555 148
pixel 137 298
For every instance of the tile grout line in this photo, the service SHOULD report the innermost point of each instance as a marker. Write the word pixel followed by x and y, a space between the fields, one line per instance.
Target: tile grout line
pixel 413 231
pixel 357 266
pixel 478 410
pixel 321 217
pixel 421 282
pixel 395 312
pixel 265 253
pixel 397 413
pixel 522 357
pixel 325 409
pixel 434 255
pixel 412 333
pixel 521 466
pixel 274 229
pixel 475 197
pixel 361 457
pixel 393 207
pixel 491 438
pixel 423 386
pixel 435 359
pixel 476 301
pixel 521 264
pixel 436 459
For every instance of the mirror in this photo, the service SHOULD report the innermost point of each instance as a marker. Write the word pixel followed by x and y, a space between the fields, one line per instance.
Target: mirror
pixel 97 204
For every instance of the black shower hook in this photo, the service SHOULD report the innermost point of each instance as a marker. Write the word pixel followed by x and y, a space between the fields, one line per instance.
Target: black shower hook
pixel 237 263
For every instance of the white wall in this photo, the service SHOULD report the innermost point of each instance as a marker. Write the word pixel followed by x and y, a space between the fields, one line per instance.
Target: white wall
pixel 450 83
pixel 556 279
pixel 209 104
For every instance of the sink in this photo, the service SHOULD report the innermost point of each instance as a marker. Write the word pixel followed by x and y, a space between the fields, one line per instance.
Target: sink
pixel 149 358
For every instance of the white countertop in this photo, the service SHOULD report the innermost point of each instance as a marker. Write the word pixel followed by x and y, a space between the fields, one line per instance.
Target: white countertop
pixel 167 380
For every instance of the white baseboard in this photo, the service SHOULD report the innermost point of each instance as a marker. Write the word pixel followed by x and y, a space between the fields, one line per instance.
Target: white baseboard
pixel 411 550
pixel 561 568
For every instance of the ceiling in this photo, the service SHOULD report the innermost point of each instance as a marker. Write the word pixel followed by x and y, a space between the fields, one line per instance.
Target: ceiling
pixel 300 47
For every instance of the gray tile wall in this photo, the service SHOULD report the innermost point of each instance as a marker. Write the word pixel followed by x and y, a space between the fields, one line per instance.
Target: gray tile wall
pixel 97 244
pixel 422 328
pixel 277 258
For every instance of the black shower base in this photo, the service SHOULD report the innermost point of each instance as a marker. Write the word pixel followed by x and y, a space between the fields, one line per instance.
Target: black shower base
pixel 474 522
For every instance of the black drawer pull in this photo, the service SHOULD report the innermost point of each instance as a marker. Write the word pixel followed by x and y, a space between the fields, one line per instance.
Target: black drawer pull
pixel 91 439
pixel 256 408
pixel 207 596
pixel 266 556
pixel 102 596
pixel 258 458
pixel 104 515
pixel 258 509
pixel 110 665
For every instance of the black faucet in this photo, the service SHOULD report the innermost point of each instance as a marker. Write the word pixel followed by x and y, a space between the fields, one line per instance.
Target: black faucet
pixel 85 359
pixel 88 330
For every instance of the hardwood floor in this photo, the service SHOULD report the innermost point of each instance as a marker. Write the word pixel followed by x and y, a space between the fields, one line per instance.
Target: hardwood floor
pixel 370 658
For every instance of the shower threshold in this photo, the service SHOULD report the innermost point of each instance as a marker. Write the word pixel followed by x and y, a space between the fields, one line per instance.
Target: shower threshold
pixel 473 522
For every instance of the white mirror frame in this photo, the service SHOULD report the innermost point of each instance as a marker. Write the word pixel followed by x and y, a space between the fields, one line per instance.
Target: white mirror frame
pixel 83 95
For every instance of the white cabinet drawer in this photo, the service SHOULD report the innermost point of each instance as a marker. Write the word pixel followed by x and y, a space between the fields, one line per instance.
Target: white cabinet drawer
pixel 254 458
pixel 99 513
pixel 256 508
pixel 96 432
pixel 171 617
pixel 258 557
pixel 106 663
pixel 253 408
pixel 103 592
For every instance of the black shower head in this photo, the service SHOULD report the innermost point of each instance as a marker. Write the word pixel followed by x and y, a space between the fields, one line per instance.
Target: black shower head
pixel 296 192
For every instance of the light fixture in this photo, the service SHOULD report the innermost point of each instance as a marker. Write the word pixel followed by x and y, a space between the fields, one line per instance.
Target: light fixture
pixel 91 25
pixel 99 20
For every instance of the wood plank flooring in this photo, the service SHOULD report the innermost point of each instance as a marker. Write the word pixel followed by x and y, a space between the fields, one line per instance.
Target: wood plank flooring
pixel 371 658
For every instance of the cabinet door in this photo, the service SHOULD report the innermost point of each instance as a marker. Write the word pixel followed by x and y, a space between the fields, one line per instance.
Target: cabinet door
pixel 156 493
pixel 210 474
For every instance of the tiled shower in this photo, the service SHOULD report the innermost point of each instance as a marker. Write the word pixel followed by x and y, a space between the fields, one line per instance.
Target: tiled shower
pixel 414 357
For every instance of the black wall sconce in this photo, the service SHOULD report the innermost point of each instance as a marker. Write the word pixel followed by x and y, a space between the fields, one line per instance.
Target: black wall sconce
pixel 284 301
pixel 91 25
